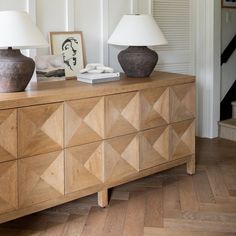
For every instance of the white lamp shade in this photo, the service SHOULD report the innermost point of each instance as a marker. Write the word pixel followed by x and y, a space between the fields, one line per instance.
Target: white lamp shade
pixel 19 31
pixel 137 30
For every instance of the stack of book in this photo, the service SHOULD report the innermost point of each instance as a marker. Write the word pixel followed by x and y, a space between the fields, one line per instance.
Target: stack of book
pixel 98 78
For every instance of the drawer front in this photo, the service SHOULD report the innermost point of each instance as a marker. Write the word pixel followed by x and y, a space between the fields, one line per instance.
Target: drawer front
pixel 121 157
pixel 102 162
pixel 41 178
pixel 84 166
pixel 84 121
pixel 121 114
pixel 8 186
pixel 182 102
pixel 8 135
pixel 182 139
pixel 154 107
pixel 40 129
pixel 154 147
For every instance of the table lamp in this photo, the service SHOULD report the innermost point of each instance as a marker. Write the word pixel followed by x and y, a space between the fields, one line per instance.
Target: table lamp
pixel 17 32
pixel 137 32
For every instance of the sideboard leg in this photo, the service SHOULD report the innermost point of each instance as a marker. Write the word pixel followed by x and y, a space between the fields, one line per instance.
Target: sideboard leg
pixel 103 198
pixel 191 165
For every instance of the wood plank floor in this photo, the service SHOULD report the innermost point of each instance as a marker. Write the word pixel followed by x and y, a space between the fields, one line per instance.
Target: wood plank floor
pixel 170 203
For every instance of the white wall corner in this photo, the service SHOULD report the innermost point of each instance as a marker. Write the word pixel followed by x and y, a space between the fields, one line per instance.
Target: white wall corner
pixel 208 67
pixel 104 32
pixel 145 6
pixel 134 6
pixel 31 9
pixel 69 15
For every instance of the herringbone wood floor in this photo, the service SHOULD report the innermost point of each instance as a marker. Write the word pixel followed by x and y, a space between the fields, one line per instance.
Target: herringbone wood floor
pixel 170 203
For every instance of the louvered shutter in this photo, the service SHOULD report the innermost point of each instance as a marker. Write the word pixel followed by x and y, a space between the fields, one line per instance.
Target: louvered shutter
pixel 175 18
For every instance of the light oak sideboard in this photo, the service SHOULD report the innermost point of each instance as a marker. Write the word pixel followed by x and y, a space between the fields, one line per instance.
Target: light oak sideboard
pixel 63 140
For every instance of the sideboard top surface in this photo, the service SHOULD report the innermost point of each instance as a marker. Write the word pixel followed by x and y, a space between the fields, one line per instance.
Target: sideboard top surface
pixel 58 91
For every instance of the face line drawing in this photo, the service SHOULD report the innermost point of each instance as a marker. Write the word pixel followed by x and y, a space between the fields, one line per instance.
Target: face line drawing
pixel 69 52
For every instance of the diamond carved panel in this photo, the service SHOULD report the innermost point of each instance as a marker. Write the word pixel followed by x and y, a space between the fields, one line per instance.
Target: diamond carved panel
pixel 121 157
pixel 41 178
pixel 154 147
pixel 8 134
pixel 182 102
pixel 182 139
pixel 8 186
pixel 84 121
pixel 154 107
pixel 40 129
pixel 101 162
pixel 84 166
pixel 122 114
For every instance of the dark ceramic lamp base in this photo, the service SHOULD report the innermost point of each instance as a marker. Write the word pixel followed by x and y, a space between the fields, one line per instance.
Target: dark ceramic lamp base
pixel 138 61
pixel 16 70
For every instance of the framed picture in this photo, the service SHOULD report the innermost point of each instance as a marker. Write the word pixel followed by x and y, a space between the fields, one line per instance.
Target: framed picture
pixel 229 3
pixel 70 46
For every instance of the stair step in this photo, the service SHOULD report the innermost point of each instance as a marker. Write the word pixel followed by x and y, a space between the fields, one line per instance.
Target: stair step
pixel 234 109
pixel 227 129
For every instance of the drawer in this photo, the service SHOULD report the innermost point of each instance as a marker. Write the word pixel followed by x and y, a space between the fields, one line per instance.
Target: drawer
pixel 154 147
pixel 84 166
pixel 154 107
pixel 121 114
pixel 182 139
pixel 8 186
pixel 101 162
pixel 182 102
pixel 121 157
pixel 84 121
pixel 8 135
pixel 40 129
pixel 41 178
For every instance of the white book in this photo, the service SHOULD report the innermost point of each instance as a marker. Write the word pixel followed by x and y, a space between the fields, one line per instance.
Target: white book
pixel 98 78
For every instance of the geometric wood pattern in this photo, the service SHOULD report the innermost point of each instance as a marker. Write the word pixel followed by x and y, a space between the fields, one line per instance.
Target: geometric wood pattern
pixel 122 114
pixel 182 139
pixel 41 178
pixel 83 166
pixel 108 137
pixel 154 147
pixel 121 157
pixel 8 134
pixel 40 129
pixel 154 107
pixel 8 186
pixel 182 102
pixel 84 121
pixel 101 162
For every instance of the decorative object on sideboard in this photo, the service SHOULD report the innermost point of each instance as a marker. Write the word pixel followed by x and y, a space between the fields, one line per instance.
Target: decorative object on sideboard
pixel 49 66
pixel 70 46
pixel 96 68
pixel 95 73
pixel 137 32
pixel 19 32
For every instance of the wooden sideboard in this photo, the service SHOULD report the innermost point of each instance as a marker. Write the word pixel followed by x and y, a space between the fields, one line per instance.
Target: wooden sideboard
pixel 63 140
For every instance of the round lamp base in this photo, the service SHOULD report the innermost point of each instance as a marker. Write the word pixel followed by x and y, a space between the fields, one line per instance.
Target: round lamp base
pixel 16 70
pixel 138 61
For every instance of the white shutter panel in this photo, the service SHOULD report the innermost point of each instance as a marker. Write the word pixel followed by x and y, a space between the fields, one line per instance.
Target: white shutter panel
pixel 175 20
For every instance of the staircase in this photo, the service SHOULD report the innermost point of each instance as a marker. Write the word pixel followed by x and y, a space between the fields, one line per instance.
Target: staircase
pixel 227 128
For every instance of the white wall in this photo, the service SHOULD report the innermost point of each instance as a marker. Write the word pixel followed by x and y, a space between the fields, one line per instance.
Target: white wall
pixel 97 18
pixel 88 15
pixel 228 75
pixel 208 15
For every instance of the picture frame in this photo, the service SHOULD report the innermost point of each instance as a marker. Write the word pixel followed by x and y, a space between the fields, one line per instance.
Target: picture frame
pixel 69 44
pixel 228 3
